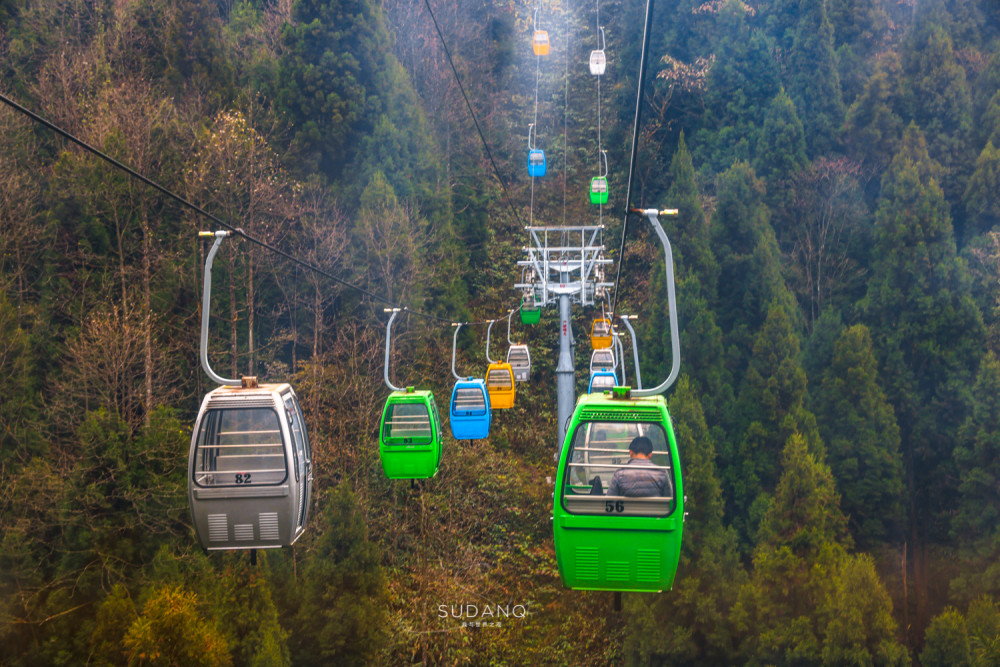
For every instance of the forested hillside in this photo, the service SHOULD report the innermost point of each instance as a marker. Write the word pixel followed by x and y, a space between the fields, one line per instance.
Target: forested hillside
pixel 835 164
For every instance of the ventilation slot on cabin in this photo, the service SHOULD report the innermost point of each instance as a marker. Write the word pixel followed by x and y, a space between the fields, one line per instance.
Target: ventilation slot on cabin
pixel 243 532
pixel 617 570
pixel 218 528
pixel 649 565
pixel 586 562
pixel 269 525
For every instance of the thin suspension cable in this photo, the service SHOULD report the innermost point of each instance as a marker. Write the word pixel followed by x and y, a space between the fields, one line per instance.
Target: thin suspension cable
pixel 534 121
pixel 214 218
pixel 565 116
pixel 468 105
pixel 600 205
pixel 635 147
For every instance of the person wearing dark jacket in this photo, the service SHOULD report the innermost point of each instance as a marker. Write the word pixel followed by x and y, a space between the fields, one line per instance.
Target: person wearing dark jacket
pixel 641 478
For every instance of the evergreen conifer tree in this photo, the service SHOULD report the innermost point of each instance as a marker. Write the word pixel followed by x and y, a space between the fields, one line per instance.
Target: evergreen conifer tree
pixel 813 82
pixel 750 277
pixel 801 544
pixel 928 337
pixel 873 125
pixel 862 440
pixel 938 99
pixel 248 616
pixel 861 629
pixel 743 78
pixel 977 458
pixel 782 149
pixel 342 590
pixel 981 204
pixel 771 406
pixel 689 230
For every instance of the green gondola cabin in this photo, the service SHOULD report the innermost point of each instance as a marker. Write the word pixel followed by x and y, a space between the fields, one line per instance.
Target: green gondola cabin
pixel 617 543
pixel 410 435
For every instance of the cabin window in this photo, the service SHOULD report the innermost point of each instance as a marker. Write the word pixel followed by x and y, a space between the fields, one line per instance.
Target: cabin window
pixel 298 434
pixel 602 359
pixel 518 357
pixel 408 424
pixel 499 379
pixel 240 447
pixel 602 382
pixel 599 450
pixel 470 401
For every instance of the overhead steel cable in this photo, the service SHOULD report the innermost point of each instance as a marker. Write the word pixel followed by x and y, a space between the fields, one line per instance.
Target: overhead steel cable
pixel 468 105
pixel 214 218
pixel 635 147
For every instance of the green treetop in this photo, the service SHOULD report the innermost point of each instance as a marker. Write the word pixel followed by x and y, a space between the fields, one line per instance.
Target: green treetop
pixel 689 229
pixel 814 84
pixel 741 81
pixel 981 204
pixel 938 100
pixel 873 124
pixel 782 150
pixel 750 276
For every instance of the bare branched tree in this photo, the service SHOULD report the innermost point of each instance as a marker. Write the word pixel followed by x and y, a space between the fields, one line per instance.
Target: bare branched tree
pixel 828 210
pixel 104 367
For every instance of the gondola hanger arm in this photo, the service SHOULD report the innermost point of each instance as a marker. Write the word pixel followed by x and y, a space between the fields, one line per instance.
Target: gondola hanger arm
pixel 652 215
pixel 488 342
pixel 454 344
pixel 206 309
pixel 388 345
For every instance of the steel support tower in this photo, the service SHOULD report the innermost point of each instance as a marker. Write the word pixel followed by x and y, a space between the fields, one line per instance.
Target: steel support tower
pixel 564 265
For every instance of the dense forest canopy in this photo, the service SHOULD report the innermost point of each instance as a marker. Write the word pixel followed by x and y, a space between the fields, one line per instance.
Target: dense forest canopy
pixel 835 164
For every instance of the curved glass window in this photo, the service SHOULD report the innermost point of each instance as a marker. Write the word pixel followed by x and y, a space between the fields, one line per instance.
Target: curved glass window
pixel 602 478
pixel 601 381
pixel 469 401
pixel 499 379
pixel 408 424
pixel 240 447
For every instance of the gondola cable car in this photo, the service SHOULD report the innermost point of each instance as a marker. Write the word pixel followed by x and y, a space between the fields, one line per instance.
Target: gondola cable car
pixel 536 156
pixel 499 379
pixel 518 356
pixel 600 333
pixel 540 40
pixel 598 61
pixel 599 184
pixel 410 443
pixel 617 542
pixel 469 413
pixel 603 360
pixel 250 466
pixel 531 310
pixel 602 380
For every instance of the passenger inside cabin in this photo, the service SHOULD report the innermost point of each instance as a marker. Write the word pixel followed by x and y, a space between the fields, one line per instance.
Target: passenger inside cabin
pixel 641 478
